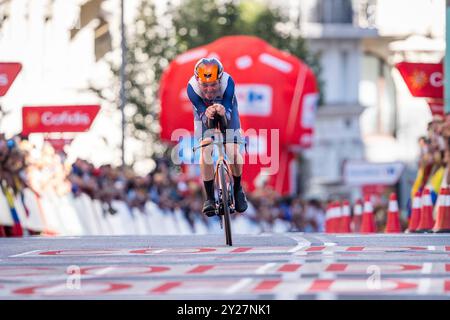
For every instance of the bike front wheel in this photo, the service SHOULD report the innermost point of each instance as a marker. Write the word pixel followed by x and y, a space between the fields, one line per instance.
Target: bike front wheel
pixel 226 209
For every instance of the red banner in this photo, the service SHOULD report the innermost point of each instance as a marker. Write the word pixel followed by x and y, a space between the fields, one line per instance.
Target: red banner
pixel 436 107
pixel 58 118
pixel 58 144
pixel 425 80
pixel 274 90
pixel 271 86
pixel 8 73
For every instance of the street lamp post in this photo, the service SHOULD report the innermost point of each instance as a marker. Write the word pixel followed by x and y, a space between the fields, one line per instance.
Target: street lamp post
pixel 123 98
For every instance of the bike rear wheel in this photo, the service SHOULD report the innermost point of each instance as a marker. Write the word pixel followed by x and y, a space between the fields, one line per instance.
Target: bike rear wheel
pixel 225 204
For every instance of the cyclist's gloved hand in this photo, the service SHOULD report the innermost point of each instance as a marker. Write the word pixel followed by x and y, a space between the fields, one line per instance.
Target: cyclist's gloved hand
pixel 220 109
pixel 210 112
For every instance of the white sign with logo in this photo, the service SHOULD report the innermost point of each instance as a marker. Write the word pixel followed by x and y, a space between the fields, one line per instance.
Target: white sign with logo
pixel 254 99
pixel 361 173
pixel 308 118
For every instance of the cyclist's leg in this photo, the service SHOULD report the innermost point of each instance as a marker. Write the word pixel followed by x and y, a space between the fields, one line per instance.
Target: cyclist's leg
pixel 232 148
pixel 206 161
pixel 235 158
pixel 207 171
pixel 236 161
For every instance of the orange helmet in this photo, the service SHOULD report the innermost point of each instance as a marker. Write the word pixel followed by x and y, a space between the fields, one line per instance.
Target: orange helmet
pixel 208 70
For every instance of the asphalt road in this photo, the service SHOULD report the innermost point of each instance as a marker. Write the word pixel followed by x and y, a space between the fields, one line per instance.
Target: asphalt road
pixel 268 266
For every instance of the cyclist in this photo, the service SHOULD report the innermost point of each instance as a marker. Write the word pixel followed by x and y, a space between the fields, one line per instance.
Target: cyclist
pixel 211 92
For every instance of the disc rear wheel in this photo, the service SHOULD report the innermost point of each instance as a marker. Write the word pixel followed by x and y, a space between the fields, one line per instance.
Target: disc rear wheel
pixel 225 205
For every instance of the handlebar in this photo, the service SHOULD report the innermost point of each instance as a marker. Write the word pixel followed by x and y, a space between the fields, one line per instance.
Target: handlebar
pixel 240 142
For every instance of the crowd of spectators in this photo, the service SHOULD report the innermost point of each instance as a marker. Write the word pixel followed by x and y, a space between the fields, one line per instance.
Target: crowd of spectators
pixel 23 165
pixel 45 171
pixel 434 156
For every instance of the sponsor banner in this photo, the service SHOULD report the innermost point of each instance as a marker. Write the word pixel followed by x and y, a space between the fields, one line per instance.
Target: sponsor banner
pixel 8 73
pixel 360 173
pixel 254 99
pixel 436 107
pixel 58 118
pixel 425 80
pixel 58 144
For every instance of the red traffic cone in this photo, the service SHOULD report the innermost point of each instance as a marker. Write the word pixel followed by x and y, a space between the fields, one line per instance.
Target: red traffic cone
pixel 443 216
pixel 357 215
pixel 368 220
pixel 426 214
pixel 345 220
pixel 337 215
pixel 415 213
pixel 393 218
pixel 332 218
pixel 328 218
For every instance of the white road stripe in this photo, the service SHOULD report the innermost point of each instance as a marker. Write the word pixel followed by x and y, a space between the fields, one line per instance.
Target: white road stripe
pixel 427 267
pixel 263 269
pixel 327 276
pixel 425 283
pixel 424 286
pixel 297 248
pixel 328 252
pixel 24 254
pixel 238 286
pixel 328 260
pixel 55 289
pixel 104 271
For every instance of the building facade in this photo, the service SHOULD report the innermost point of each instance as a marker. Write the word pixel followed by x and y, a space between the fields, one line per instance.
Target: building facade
pixel 367 113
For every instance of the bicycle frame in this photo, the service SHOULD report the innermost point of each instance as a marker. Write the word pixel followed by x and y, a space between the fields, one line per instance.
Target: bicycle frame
pixel 226 199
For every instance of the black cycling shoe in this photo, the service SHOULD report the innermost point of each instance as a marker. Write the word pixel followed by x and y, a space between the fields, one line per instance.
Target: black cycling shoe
pixel 209 208
pixel 240 201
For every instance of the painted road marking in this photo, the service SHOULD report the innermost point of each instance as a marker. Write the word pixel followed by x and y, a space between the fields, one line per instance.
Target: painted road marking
pixel 263 269
pixel 289 267
pixel 166 287
pixel 153 251
pixel 249 285
pixel 24 253
pixel 201 269
pixel 289 270
pixel 425 283
pixel 267 285
pixel 104 271
pixel 239 286
pixel 58 288
pixel 297 250
pixel 240 250
pixel 91 288
pixel 427 267
pixel 320 285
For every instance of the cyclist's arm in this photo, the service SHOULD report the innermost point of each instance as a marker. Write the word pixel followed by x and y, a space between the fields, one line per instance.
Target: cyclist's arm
pixel 228 97
pixel 198 104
